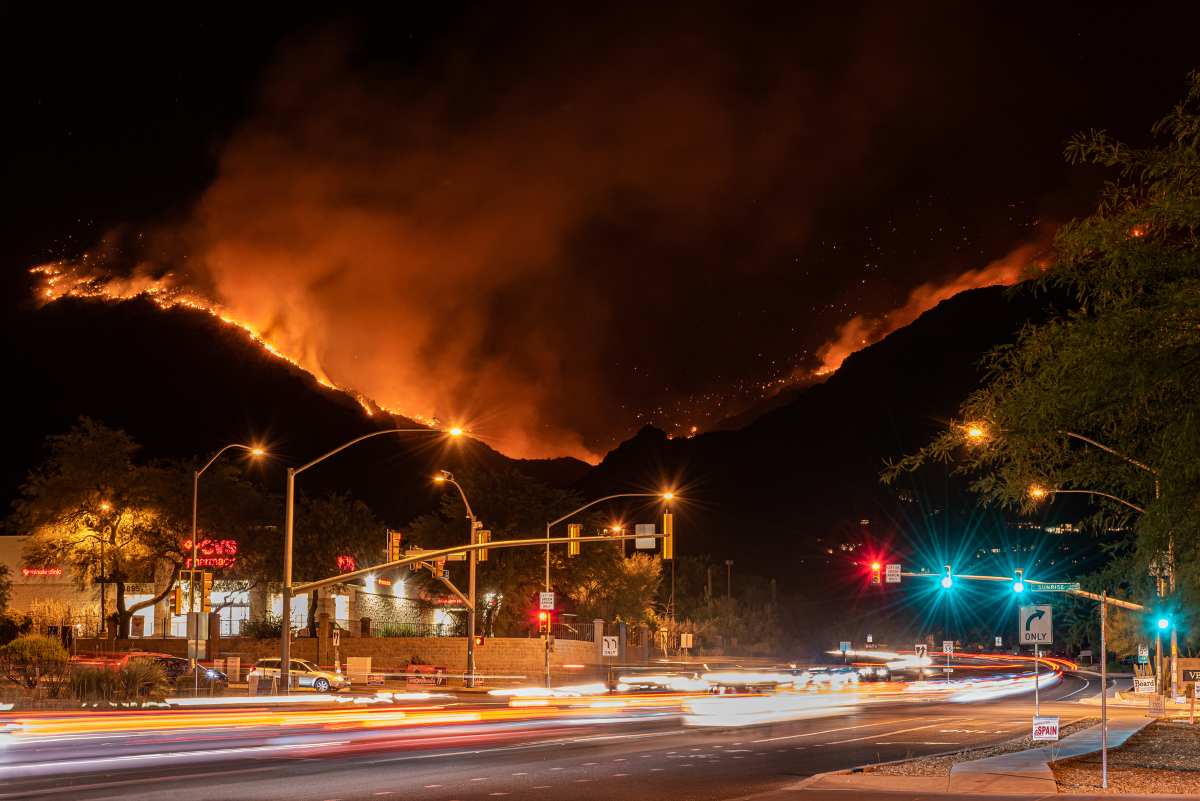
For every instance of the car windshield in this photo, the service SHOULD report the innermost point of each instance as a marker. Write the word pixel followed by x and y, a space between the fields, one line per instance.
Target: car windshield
pixel 300 664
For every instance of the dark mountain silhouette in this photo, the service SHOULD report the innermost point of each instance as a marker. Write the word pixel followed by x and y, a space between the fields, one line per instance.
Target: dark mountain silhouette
pixel 787 484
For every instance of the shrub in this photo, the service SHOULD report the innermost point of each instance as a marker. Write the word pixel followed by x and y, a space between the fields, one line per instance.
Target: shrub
pixel 136 681
pixel 268 628
pixel 34 662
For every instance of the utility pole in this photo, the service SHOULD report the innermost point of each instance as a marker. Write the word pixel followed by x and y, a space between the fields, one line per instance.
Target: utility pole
pixel 1103 690
pixel 728 578
pixel 708 591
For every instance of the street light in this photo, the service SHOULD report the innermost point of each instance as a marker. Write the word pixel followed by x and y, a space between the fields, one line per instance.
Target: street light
pixel 1038 493
pixel 975 432
pixel 254 451
pixel 285 636
pixel 667 496
pixel 446 477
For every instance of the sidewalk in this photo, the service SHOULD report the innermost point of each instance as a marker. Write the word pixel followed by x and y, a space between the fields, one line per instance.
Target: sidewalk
pixel 1017 773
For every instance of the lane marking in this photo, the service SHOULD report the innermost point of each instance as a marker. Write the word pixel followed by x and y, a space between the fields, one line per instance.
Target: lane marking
pixel 831 731
pixel 1086 683
pixel 884 734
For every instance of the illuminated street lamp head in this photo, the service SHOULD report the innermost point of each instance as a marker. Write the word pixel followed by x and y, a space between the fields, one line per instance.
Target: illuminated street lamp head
pixel 455 432
pixel 666 496
pixel 442 475
pixel 105 506
pixel 257 452
pixel 975 432
pixel 1038 492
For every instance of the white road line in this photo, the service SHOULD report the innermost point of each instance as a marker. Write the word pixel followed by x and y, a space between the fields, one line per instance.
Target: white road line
pixel 1086 683
pixel 619 774
pixel 884 734
pixel 831 731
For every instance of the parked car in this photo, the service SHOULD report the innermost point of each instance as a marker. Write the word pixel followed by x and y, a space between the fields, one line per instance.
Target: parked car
pixel 176 667
pixel 306 674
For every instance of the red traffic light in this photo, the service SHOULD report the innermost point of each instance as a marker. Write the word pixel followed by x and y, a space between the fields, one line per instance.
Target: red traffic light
pixel 876 566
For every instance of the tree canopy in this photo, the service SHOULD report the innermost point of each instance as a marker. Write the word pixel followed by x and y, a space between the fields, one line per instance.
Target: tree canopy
pixel 1101 398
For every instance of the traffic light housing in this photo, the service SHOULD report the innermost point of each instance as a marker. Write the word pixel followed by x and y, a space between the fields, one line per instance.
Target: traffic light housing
pixel 574 531
pixel 948 578
pixel 1019 581
pixel 668 546
pixel 543 622
pixel 876 573
pixel 479 638
pixel 395 539
pixel 483 536
pixel 206 592
pixel 177 600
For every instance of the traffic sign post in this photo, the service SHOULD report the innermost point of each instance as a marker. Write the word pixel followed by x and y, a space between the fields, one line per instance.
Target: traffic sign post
pixel 1036 628
pixel 948 650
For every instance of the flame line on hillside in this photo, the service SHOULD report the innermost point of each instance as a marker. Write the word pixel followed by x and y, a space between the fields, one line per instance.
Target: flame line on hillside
pixel 61 279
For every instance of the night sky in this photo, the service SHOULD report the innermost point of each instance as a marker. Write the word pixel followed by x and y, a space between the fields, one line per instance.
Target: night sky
pixel 558 225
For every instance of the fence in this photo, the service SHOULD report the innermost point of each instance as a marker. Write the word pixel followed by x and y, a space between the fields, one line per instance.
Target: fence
pixel 457 628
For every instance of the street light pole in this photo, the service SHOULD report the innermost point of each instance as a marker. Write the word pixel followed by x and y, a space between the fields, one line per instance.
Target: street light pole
pixel 667 496
pixel 472 562
pixel 289 520
pixel 728 578
pixel 194 642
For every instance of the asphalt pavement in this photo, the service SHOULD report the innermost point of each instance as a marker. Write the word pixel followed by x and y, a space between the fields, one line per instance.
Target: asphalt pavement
pixel 652 757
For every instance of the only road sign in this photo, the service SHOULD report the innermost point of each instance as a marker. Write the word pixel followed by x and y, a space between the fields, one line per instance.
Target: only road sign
pixel 1035 625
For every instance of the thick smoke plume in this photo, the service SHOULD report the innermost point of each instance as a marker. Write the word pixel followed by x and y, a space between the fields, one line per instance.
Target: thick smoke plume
pixel 509 239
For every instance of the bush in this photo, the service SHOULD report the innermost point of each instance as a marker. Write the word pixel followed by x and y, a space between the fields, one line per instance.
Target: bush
pixel 136 681
pixel 34 662
pixel 269 628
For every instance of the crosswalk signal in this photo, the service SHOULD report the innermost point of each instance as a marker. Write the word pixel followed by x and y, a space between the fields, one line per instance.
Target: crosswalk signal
pixel 668 546
pixel 206 592
pixel 394 540
pixel 574 530
pixel 483 536
pixel 177 600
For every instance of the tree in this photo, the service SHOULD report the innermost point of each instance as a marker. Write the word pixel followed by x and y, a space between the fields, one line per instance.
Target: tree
pixel 1101 397
pixel 92 507
pixel 5 589
pixel 512 506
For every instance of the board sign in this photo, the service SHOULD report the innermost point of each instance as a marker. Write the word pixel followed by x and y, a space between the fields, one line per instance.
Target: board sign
pixel 1143 685
pixel 891 574
pixel 608 646
pixel 1143 654
pixel 947 646
pixel 1055 586
pixel 645 540
pixel 546 601
pixel 844 646
pixel 1045 728
pixel 1035 624
pixel 1191 675
pixel 870 638
pixel 921 650
pixel 685 639
pixel 999 642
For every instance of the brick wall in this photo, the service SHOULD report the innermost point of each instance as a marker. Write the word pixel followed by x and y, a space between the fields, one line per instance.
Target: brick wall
pixel 498 655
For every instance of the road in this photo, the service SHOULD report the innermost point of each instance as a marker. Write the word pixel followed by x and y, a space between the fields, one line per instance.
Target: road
pixel 651 756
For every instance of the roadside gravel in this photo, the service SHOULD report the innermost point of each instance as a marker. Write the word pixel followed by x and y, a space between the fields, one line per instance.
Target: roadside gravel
pixel 1164 757
pixel 941 765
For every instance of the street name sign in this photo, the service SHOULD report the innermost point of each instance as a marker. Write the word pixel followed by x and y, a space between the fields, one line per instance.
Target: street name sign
pixel 891 574
pixel 1045 728
pixel 1143 685
pixel 1054 586
pixel 608 646
pixel 546 601
pixel 1035 625
pixel 947 646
